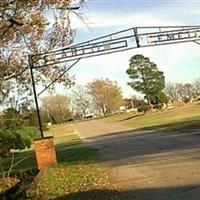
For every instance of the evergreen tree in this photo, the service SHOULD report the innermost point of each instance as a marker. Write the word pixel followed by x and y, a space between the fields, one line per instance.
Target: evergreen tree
pixel 159 99
pixel 146 78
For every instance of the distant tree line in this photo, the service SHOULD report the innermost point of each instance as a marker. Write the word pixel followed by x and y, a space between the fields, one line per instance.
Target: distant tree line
pixel 182 91
pixel 100 97
pixel 148 80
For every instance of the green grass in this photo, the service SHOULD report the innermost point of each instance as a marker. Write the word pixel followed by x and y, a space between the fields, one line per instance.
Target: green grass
pixel 77 176
pixel 180 118
pixel 64 137
pixel 27 160
pixel 57 130
pixel 67 139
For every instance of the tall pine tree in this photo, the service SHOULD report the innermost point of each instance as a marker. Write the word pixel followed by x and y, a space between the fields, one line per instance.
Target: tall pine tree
pixel 146 78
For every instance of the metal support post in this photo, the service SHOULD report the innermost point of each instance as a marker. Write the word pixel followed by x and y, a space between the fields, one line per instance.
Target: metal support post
pixel 136 37
pixel 35 95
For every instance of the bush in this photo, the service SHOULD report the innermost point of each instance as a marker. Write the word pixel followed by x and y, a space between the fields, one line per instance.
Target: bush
pixel 159 98
pixel 144 108
pixel 14 187
pixel 29 132
pixel 10 140
pixel 14 134
pixel 33 120
pixel 187 100
pixel 17 139
pixel 159 106
pixel 12 120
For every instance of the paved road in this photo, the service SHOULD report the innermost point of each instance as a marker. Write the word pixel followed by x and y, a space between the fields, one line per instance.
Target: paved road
pixel 147 165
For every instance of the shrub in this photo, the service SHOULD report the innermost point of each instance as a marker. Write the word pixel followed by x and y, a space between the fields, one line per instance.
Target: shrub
pixel 10 140
pixel 159 98
pixel 187 100
pixel 159 106
pixel 144 108
pixel 29 131
pixel 33 120
pixel 12 119
pixel 17 139
pixel 14 134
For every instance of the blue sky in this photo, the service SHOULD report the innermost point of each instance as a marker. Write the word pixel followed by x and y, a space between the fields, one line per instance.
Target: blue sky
pixel 180 63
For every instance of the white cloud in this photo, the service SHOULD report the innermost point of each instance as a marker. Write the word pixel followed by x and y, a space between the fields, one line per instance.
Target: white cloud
pixel 174 60
pixel 127 20
pixel 171 13
pixel 97 20
pixel 179 62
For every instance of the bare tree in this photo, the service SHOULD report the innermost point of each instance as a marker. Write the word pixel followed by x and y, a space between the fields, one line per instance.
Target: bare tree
pixel 56 107
pixel 171 92
pixel 189 90
pixel 197 86
pixel 81 101
pixel 179 91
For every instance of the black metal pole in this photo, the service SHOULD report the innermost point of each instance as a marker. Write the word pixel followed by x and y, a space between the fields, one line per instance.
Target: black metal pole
pixel 35 95
pixel 136 37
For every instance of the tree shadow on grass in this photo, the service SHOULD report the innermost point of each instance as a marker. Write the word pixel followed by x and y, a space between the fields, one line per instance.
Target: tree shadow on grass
pixel 132 117
pixel 77 155
pixel 189 124
pixel 103 194
pixel 186 192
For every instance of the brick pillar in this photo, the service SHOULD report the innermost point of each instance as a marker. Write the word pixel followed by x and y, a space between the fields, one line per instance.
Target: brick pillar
pixel 45 152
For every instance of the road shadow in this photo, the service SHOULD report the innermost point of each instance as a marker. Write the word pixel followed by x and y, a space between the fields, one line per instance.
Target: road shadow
pixel 137 146
pixel 132 117
pixel 159 141
pixel 188 192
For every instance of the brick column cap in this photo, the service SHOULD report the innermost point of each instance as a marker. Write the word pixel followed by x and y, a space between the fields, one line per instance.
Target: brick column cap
pixel 45 138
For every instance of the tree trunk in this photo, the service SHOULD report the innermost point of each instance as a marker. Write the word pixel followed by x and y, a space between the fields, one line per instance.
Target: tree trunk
pixel 149 101
pixel 103 110
pixel 132 105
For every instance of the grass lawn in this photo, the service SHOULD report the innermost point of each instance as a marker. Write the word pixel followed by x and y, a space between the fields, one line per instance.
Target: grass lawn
pixel 63 138
pixel 77 176
pixel 178 118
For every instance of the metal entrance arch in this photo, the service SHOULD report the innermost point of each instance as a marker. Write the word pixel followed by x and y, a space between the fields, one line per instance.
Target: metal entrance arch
pixel 132 38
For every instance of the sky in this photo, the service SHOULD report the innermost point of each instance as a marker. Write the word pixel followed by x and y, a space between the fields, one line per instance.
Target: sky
pixel 180 62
